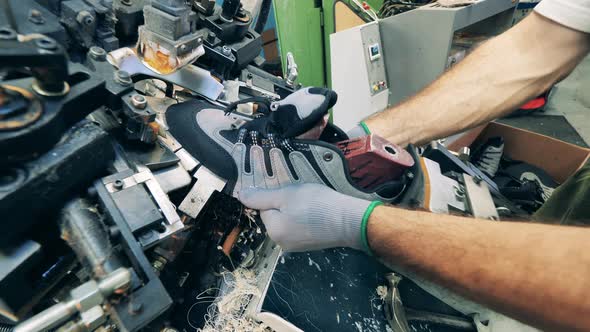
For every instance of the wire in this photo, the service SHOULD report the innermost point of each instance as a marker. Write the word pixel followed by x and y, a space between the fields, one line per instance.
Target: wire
pixel 394 7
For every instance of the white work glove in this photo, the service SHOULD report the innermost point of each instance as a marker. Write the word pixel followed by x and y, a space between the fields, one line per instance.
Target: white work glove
pixel 305 217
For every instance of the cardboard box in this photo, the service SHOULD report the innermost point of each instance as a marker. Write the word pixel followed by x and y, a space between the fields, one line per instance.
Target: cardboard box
pixel 558 158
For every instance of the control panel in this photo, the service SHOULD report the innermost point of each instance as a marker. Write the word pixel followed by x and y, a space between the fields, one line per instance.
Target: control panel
pixel 358 74
pixel 371 40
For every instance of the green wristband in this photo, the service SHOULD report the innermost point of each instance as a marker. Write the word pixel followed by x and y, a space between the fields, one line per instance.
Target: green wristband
pixel 364 239
pixel 365 128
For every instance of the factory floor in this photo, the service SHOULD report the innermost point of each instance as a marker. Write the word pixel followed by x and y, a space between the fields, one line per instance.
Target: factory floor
pixel 571 98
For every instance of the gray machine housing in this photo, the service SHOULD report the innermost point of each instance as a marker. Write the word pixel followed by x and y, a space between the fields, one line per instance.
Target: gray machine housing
pixel 412 54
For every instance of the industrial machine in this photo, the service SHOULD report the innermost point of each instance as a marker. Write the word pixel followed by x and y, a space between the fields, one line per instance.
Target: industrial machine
pixel 109 224
pixel 393 58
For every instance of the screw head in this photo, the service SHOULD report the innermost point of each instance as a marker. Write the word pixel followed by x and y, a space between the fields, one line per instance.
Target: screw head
pixel 211 37
pixel 85 18
pixel 46 43
pixel 123 78
pixel 226 51
pixel 459 193
pixel 118 184
pixel 97 53
pixel 7 34
pixel 138 101
pixel 328 156
pixel 477 179
pixel 36 17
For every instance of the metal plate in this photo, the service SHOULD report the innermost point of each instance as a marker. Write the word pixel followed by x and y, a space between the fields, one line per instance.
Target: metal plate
pixel 207 183
pixel 191 77
pixel 480 199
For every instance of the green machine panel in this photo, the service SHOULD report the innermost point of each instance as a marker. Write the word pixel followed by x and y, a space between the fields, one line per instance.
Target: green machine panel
pixel 299 29
pixel 304 28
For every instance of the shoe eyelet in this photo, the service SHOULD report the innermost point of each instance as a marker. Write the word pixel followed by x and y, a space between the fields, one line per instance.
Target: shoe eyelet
pixel 328 156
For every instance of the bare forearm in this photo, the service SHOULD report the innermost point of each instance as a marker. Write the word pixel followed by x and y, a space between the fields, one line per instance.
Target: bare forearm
pixel 494 80
pixel 536 273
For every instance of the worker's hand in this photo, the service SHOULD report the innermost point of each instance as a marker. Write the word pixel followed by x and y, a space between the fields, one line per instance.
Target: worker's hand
pixel 308 216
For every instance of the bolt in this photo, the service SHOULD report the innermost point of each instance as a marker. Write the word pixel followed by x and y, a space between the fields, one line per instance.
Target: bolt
pixel 328 156
pixel 183 48
pixel 226 51
pixel 85 18
pixel 36 17
pixel 7 34
pixel 135 307
pixel 97 53
pixel 159 263
pixel 459 193
pixel 211 37
pixel 138 101
pixel 477 179
pixel 123 78
pixel 46 43
pixel 118 184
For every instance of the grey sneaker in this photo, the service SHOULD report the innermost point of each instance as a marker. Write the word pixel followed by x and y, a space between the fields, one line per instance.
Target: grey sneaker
pixel 263 151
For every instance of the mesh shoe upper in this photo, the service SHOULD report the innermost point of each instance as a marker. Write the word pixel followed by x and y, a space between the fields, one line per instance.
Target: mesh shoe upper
pixel 262 151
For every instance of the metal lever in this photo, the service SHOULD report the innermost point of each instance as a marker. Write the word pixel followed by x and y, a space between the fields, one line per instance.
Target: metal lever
pixel 394 309
pixel 292 72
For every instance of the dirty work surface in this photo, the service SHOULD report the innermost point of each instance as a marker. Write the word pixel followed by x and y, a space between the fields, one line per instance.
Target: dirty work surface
pixel 336 290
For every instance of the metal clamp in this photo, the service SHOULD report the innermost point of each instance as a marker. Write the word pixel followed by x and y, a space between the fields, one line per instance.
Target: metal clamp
pixel 83 299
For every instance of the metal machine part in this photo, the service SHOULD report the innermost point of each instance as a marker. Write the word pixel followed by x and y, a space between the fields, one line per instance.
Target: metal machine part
pixel 83 299
pixel 479 199
pixel 408 67
pixel 442 194
pixel 90 23
pixel 30 124
pixel 16 264
pixel 292 72
pixel 399 316
pixel 169 39
pixel 392 68
pixel 85 233
pixel 191 77
pixel 394 309
pixel 207 183
pixel 51 178
pixel 145 206
pixel 369 93
pixel 139 308
pixel 374 161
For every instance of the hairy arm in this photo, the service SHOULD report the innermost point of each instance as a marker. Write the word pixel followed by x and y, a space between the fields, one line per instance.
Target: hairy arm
pixel 536 273
pixel 494 80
